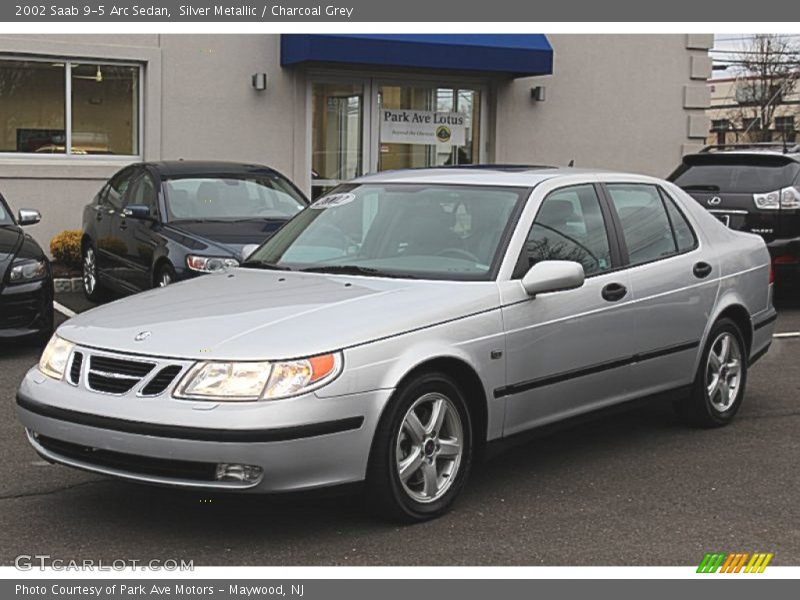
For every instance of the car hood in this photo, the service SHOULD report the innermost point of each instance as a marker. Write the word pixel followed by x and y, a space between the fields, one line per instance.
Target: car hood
pixel 248 314
pixel 10 241
pixel 230 235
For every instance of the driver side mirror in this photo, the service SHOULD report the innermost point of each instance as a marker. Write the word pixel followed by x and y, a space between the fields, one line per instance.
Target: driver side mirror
pixel 553 276
pixel 137 211
pixel 28 216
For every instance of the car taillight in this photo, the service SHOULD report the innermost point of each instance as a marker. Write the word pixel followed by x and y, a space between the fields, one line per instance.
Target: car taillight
pixel 785 259
pixel 771 274
pixel 784 198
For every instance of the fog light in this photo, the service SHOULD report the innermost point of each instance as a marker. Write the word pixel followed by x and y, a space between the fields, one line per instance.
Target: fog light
pixel 231 472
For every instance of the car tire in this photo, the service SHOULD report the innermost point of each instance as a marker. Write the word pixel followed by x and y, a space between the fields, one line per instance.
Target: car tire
pixel 92 288
pixel 721 378
pixel 420 462
pixel 165 275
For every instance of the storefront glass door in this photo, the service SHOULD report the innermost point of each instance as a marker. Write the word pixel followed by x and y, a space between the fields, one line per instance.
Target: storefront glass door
pixel 374 125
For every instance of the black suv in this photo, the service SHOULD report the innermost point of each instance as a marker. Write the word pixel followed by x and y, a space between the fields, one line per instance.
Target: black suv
pixel 755 188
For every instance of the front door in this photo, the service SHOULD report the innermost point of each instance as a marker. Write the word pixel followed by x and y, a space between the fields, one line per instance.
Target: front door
pixel 567 352
pixel 138 236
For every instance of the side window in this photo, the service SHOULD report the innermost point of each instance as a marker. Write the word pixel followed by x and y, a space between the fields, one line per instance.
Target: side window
pixel 570 226
pixel 645 225
pixel 144 192
pixel 117 188
pixel 684 235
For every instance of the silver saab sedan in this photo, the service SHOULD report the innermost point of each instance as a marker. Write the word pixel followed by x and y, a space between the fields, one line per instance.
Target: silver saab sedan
pixel 392 330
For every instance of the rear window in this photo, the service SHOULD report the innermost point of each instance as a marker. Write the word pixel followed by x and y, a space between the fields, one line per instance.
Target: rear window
pixel 744 174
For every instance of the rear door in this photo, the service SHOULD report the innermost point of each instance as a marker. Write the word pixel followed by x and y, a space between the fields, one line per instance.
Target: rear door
pixel 674 281
pixel 743 190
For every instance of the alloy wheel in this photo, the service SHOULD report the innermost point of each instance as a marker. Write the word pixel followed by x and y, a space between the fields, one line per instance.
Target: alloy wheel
pixel 723 371
pixel 429 447
pixel 165 279
pixel 89 271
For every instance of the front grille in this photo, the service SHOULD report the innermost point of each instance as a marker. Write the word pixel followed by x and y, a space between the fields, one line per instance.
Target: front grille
pixel 161 380
pixel 115 375
pixel 75 368
pixel 130 368
pixel 18 315
pixel 131 463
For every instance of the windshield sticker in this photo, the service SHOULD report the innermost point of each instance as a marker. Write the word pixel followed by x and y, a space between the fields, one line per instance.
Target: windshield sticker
pixel 333 200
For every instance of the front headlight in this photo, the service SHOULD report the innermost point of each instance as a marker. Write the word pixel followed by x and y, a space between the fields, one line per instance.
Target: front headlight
pixel 210 264
pixel 24 270
pixel 55 356
pixel 245 381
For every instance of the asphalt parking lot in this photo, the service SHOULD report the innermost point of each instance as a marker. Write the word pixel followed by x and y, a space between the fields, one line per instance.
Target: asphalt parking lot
pixel 636 488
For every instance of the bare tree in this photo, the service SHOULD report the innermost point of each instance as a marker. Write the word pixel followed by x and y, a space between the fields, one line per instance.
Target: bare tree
pixel 769 67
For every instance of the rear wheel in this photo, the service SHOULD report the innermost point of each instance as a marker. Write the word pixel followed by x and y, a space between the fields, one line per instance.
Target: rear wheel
pixel 92 288
pixel 720 381
pixel 422 451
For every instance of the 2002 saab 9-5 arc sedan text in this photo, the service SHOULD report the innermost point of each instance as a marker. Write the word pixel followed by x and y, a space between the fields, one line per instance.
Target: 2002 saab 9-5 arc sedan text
pixel 391 330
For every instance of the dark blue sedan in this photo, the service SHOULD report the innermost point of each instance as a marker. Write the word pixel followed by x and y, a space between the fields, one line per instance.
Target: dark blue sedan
pixel 155 223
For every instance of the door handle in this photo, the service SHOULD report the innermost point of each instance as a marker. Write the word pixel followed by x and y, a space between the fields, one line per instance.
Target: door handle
pixel 613 292
pixel 701 270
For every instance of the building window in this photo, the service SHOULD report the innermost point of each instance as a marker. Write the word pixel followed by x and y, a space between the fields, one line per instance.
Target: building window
pixel 785 124
pixel 69 107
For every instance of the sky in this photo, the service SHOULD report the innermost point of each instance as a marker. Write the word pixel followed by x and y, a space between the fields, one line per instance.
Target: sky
pixel 726 45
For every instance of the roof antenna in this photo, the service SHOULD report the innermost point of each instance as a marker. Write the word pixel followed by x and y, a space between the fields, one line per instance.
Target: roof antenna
pixel 571 163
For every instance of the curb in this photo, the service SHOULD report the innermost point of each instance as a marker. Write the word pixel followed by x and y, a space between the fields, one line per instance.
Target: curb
pixel 67 284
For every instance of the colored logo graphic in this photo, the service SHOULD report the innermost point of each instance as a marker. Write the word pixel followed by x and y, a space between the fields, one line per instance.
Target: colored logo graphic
pixel 735 562
pixel 443 133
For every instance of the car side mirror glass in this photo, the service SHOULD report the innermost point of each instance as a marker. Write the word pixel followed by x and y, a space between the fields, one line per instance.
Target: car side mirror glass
pixel 137 211
pixel 28 216
pixel 248 250
pixel 553 276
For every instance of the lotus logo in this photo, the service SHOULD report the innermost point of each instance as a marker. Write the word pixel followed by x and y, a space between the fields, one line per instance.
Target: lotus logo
pixel 141 336
pixel 714 201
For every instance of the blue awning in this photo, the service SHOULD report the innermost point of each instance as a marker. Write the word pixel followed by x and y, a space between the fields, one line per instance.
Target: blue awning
pixel 516 55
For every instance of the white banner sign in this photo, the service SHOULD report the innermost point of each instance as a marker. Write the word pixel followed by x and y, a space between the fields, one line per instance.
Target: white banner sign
pixel 422 127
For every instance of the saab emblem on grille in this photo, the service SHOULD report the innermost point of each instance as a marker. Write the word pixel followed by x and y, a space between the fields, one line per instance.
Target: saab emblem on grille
pixel 141 336
pixel 715 201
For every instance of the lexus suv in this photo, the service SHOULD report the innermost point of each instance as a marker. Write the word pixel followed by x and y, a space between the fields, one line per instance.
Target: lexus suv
pixel 753 188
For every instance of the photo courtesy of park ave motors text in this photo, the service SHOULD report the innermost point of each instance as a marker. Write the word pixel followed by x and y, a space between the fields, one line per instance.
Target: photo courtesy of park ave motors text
pixel 400 299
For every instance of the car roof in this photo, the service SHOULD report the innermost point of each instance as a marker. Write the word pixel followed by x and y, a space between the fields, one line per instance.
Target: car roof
pixel 500 175
pixel 185 168
pixel 791 152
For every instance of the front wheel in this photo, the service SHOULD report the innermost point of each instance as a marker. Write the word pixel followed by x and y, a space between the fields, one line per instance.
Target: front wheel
pixel 720 381
pixel 165 275
pixel 422 451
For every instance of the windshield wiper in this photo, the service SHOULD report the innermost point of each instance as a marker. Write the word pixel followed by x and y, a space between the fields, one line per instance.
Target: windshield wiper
pixel 354 270
pixel 262 264
pixel 701 188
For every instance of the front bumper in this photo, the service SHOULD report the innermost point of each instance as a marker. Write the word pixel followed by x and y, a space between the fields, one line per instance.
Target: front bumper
pixel 301 443
pixel 26 309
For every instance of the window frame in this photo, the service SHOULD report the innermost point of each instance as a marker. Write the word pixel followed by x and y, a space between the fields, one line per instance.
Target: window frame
pixel 522 266
pixel 620 234
pixel 67 155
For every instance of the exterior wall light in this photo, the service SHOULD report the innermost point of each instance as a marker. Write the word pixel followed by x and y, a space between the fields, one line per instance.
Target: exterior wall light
pixel 538 93
pixel 259 81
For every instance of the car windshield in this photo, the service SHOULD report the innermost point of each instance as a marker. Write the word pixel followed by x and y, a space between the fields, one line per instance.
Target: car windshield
pixel 397 230
pixel 231 198
pixel 736 175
